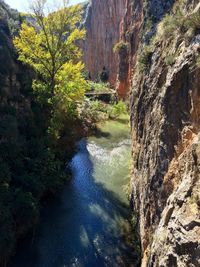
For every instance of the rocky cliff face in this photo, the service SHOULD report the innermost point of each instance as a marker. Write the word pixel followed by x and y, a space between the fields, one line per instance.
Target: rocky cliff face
pixel 158 63
pixel 165 120
pixel 131 26
pixel 102 22
pixel 132 32
pixel 110 22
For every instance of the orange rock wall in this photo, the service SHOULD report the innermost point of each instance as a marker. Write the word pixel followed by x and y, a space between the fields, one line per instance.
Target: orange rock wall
pixel 102 22
pixel 107 22
pixel 130 28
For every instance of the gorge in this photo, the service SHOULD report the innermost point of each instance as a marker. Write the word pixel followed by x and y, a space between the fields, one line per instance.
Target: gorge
pixel 158 57
pixel 150 50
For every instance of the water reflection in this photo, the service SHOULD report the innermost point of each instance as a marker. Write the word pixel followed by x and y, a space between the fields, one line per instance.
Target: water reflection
pixel 88 226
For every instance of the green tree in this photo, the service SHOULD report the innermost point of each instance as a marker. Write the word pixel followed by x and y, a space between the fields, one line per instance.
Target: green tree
pixel 49 46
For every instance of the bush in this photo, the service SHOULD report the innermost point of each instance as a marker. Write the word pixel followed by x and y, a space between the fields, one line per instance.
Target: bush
pixel 120 46
pixel 144 59
pixel 170 25
pixel 25 210
pixel 98 87
pixel 104 75
pixel 93 111
pixel 96 111
pixel 117 109
pixel 178 22
pixel 198 62
pixel 170 59
pixel 5 174
pixel 7 109
pixel 192 22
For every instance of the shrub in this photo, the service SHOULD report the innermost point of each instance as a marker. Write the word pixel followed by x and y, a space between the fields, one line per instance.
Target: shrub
pixel 178 22
pixel 171 24
pixel 144 58
pixel 5 174
pixel 93 111
pixel 25 210
pixel 96 111
pixel 120 46
pixel 98 87
pixel 192 22
pixel 7 109
pixel 170 59
pixel 117 109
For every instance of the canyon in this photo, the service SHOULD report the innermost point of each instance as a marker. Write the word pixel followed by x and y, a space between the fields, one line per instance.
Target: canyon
pixel 156 69
pixel 164 88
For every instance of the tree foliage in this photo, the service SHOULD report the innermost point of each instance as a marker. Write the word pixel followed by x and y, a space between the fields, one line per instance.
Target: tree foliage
pixel 47 42
pixel 49 45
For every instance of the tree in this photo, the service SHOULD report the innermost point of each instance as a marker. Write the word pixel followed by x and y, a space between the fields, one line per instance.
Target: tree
pixel 47 42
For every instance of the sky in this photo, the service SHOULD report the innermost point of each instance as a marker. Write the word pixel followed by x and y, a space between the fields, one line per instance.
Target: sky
pixel 22 5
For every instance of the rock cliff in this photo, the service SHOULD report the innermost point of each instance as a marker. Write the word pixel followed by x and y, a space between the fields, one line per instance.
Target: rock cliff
pixel 165 120
pixel 132 32
pixel 131 26
pixel 158 63
pixel 102 23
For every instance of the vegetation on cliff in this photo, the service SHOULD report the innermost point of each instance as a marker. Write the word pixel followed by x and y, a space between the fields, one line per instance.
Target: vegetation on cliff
pixel 165 130
pixel 176 26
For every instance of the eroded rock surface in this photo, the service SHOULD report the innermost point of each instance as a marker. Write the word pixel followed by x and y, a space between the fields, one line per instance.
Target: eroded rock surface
pixel 102 22
pixel 165 118
pixel 176 239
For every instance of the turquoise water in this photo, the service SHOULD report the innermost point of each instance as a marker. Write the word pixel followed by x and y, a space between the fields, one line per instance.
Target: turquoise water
pixel 88 225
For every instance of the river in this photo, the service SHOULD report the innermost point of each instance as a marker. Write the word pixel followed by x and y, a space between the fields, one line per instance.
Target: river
pixel 89 224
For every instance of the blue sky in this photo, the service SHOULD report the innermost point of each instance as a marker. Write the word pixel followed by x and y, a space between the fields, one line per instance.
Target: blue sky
pixel 22 5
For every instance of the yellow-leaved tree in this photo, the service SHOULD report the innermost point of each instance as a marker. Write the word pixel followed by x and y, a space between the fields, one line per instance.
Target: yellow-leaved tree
pixel 47 42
